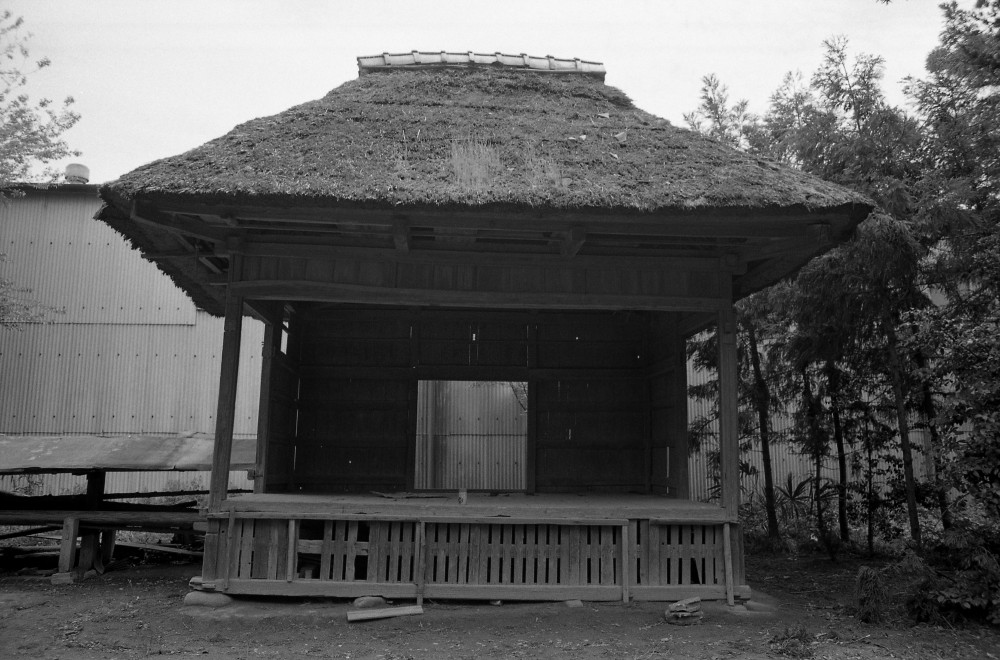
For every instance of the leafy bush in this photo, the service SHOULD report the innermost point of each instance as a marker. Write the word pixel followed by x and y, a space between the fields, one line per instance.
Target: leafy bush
pixel 962 582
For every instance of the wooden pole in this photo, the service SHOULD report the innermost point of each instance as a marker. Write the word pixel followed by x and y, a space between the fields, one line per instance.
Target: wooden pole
pixel 225 417
pixel 729 449
pixel 727 552
pixel 272 335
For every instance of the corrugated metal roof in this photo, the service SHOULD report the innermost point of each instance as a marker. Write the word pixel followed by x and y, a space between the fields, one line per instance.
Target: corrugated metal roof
pixel 144 452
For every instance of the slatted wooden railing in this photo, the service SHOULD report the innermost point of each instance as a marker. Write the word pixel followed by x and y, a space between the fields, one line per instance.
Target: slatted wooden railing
pixel 488 558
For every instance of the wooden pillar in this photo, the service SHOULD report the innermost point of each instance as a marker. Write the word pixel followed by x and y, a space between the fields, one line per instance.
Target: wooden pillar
pixel 225 417
pixel 729 448
pixel 272 338
pixel 677 445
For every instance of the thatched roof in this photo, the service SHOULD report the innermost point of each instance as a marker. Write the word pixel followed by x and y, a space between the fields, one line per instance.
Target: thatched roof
pixel 476 137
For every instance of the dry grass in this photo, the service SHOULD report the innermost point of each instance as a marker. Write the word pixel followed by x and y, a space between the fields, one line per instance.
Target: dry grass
pixel 474 163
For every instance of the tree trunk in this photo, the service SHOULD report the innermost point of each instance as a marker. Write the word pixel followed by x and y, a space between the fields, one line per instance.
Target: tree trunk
pixel 810 405
pixel 762 402
pixel 833 383
pixel 903 426
pixel 929 412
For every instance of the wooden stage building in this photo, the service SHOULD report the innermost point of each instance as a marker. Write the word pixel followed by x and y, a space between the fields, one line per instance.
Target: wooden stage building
pixel 446 240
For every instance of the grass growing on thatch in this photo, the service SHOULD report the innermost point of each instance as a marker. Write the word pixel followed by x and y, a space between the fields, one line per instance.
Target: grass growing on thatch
pixel 474 163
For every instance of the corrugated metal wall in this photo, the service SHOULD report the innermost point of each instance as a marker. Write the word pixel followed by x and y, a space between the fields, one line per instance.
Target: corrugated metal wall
pixel 471 434
pixel 73 262
pixel 129 355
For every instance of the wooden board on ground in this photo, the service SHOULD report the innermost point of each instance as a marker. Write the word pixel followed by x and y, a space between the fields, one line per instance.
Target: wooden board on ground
pixel 384 613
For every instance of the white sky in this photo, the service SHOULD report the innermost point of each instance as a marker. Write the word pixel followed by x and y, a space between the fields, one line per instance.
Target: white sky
pixel 154 78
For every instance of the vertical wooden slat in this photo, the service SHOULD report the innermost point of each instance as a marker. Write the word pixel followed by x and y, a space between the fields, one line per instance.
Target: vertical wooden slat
pixel 522 538
pixel 227 549
pixel 291 543
pixel 496 554
pixel 626 559
pixel 350 550
pixel 608 554
pixel 419 563
pixel 337 549
pixel 376 549
pixel 464 550
pixel 325 549
pixel 247 527
pixel 475 552
pixel 651 566
pixel 573 563
pixel 273 548
pixel 411 550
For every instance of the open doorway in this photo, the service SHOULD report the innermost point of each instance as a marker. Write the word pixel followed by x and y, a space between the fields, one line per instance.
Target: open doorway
pixel 471 435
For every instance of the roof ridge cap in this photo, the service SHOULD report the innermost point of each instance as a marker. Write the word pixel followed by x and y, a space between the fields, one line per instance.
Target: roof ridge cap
pixel 444 59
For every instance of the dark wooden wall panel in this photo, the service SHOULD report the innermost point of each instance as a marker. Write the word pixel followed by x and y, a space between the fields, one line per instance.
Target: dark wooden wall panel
pixel 603 411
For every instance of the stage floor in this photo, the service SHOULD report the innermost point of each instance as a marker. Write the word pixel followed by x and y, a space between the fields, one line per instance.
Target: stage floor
pixel 554 506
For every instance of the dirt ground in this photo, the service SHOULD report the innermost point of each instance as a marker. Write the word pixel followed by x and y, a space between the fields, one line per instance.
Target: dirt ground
pixel 801 609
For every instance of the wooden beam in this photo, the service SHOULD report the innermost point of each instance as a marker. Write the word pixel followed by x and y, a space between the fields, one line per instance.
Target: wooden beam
pixel 228 379
pixel 573 241
pixel 181 226
pixel 459 257
pixel 749 225
pixel 361 294
pixel 729 447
